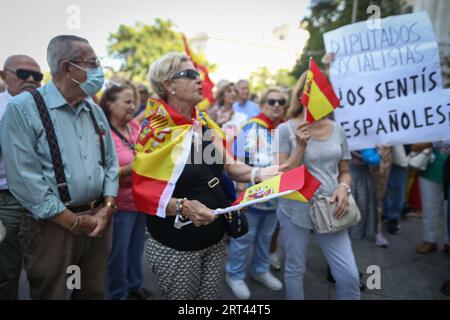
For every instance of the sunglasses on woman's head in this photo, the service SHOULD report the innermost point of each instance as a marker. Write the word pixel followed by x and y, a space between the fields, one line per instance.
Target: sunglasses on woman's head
pixel 188 73
pixel 23 74
pixel 272 102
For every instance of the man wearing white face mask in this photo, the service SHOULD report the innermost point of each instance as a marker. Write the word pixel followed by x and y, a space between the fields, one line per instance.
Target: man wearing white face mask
pixel 61 166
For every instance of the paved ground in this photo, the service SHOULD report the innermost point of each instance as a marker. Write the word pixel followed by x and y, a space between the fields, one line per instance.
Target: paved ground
pixel 404 274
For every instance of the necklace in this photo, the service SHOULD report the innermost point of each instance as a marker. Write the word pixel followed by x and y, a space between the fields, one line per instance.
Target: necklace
pixel 124 140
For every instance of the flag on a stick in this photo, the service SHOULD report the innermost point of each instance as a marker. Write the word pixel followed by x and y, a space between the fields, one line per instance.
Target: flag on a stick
pixel 318 95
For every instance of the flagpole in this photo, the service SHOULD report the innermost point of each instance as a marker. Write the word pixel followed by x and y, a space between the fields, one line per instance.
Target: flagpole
pixel 354 10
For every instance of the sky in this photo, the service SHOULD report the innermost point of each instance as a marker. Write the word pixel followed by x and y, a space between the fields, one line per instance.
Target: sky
pixel 27 26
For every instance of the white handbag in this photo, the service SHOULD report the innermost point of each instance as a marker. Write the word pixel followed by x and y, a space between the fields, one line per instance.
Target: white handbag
pixel 322 215
pixel 420 160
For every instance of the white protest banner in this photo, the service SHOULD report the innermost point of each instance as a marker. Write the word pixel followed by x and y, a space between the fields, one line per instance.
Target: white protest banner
pixel 378 70
pixel 412 119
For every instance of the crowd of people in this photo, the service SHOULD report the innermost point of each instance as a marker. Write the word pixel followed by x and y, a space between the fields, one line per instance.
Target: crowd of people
pixel 66 183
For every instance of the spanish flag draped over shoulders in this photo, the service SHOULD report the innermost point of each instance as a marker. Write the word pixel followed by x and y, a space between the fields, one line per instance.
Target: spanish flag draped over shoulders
pixel 161 152
pixel 318 95
pixel 262 120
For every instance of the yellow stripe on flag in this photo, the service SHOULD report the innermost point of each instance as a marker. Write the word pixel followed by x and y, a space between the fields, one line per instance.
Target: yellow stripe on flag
pixel 262 189
pixel 296 196
pixel 319 106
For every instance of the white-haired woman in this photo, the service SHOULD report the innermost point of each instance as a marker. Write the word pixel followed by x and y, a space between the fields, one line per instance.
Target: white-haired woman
pixel 189 261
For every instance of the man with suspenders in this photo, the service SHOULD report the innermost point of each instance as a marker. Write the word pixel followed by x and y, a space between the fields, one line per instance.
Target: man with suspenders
pixel 62 168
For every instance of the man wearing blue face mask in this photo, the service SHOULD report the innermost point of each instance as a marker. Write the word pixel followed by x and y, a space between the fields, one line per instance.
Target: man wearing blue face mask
pixel 62 168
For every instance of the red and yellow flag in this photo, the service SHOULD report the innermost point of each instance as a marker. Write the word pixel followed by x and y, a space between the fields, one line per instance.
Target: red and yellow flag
pixel 162 150
pixel 318 95
pixel 296 184
pixel 207 84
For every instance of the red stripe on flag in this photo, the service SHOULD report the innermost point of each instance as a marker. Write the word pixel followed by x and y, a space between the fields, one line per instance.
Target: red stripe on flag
pixel 323 84
pixel 147 193
pixel 310 186
pixel 207 83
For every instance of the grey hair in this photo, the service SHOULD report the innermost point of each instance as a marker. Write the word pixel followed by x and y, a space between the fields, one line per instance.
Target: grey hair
pixel 60 48
pixel 241 81
pixel 164 69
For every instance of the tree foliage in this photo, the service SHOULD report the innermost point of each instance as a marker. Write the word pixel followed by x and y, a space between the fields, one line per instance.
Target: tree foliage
pixel 329 15
pixel 137 47
pixel 262 79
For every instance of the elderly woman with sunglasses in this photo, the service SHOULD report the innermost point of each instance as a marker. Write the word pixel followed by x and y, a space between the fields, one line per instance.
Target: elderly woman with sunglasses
pixel 187 261
pixel 254 146
pixel 125 260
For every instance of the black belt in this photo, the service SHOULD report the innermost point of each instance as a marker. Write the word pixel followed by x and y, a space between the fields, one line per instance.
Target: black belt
pixel 85 207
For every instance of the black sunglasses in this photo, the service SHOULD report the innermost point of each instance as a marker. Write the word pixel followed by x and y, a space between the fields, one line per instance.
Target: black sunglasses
pixel 188 73
pixel 23 74
pixel 272 102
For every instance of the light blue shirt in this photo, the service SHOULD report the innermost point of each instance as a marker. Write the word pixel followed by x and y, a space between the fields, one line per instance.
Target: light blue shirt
pixel 250 108
pixel 5 98
pixel 29 168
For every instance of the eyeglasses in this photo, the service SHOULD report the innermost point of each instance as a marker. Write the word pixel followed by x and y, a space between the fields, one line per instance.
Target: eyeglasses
pixel 188 73
pixel 23 74
pixel 92 64
pixel 272 102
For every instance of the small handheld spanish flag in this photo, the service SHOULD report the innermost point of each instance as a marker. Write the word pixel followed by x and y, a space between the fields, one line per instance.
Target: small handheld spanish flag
pixel 318 95
pixel 296 184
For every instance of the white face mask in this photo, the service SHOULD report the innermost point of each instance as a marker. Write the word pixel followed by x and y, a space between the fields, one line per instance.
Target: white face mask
pixel 94 80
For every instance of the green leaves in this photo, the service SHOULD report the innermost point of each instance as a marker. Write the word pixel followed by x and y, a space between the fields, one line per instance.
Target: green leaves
pixel 137 47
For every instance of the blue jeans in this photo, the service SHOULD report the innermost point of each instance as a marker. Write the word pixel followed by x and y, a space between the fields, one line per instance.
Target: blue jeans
pixel 394 197
pixel 125 259
pixel 338 253
pixel 261 225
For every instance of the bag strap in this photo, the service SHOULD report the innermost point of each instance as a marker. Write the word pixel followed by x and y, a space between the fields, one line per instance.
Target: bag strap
pixel 122 138
pixel 215 186
pixel 55 151
pixel 99 133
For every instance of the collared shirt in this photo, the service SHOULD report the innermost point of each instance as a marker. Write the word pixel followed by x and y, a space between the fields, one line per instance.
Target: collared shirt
pixel 250 108
pixel 28 163
pixel 5 98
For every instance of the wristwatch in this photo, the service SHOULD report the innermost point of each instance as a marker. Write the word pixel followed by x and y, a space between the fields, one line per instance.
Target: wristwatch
pixel 179 209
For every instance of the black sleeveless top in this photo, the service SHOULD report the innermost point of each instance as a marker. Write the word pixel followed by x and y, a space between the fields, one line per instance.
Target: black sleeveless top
pixel 192 185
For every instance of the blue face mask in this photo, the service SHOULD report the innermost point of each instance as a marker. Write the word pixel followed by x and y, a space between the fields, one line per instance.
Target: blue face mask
pixel 94 81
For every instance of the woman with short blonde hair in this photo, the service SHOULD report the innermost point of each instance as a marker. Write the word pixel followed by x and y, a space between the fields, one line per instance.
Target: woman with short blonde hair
pixel 188 260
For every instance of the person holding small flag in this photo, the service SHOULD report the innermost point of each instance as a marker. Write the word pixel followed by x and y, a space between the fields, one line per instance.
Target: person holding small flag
pixel 176 173
pixel 310 138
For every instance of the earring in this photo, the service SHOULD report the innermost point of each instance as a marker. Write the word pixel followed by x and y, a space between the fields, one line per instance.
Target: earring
pixel 173 92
